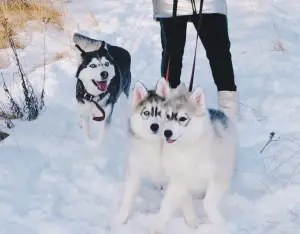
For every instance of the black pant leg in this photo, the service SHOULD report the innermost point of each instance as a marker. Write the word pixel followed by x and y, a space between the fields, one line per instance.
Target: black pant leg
pixel 215 39
pixel 173 37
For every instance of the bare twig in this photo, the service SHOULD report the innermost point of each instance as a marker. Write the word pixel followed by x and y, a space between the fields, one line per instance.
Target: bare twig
pixel 29 108
pixel 257 113
pixel 285 161
pixel 42 103
pixel 272 134
pixel 31 101
pixel 14 107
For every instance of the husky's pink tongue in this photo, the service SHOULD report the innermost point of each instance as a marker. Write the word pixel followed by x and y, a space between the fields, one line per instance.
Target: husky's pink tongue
pixel 101 85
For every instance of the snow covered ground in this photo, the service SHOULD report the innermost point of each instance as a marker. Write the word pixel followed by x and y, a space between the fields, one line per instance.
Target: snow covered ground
pixel 51 183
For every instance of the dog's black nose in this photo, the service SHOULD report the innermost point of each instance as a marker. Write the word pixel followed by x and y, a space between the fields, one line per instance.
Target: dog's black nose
pixel 168 133
pixel 154 127
pixel 104 75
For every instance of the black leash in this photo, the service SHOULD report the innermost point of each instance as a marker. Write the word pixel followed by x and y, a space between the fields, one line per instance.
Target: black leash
pixel 90 98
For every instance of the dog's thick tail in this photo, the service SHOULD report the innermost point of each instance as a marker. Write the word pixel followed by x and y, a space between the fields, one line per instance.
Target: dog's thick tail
pixel 86 43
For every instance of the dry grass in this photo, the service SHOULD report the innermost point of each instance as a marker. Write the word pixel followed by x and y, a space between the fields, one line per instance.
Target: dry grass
pixel 7 116
pixel 4 60
pixel 60 55
pixel 18 12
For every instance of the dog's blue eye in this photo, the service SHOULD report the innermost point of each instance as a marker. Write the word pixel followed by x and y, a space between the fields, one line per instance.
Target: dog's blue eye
pixel 182 119
pixel 145 114
pixel 93 65
pixel 106 64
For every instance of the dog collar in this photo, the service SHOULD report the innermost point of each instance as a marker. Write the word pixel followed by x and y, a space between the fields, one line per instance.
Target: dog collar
pixel 90 97
pixel 83 94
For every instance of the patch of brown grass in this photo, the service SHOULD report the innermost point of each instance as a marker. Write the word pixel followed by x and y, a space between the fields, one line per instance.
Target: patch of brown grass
pixel 60 55
pixel 18 12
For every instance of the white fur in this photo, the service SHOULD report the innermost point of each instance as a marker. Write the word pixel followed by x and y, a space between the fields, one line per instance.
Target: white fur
pixel 139 93
pixel 200 160
pixel 144 161
pixel 163 88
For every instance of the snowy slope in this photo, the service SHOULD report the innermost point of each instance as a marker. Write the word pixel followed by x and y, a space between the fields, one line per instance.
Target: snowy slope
pixel 51 183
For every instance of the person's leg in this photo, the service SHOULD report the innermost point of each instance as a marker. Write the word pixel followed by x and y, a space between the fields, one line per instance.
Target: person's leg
pixel 173 37
pixel 215 39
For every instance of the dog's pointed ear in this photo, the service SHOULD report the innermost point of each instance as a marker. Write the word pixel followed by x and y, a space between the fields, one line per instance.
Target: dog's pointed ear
pixel 102 47
pixel 181 89
pixel 162 87
pixel 140 92
pixel 197 98
pixel 80 49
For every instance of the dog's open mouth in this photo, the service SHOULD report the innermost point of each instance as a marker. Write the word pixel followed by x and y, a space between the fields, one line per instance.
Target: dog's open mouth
pixel 170 140
pixel 101 85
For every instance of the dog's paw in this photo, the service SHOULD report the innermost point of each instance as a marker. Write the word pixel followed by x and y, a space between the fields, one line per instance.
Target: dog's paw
pixel 213 213
pixel 157 227
pixel 120 219
pixel 155 230
pixel 193 222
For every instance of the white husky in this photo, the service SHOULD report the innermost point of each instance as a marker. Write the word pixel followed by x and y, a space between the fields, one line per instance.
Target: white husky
pixel 198 157
pixel 144 161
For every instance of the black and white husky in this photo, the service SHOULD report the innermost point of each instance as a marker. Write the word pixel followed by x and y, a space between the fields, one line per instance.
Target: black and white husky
pixel 103 73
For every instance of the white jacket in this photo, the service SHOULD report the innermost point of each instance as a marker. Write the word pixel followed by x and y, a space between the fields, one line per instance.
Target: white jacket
pixel 164 8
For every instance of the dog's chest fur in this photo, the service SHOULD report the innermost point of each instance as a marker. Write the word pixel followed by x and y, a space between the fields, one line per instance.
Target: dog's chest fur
pixel 191 166
pixel 145 159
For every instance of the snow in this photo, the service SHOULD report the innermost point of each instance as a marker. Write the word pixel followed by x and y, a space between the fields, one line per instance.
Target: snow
pixel 52 183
